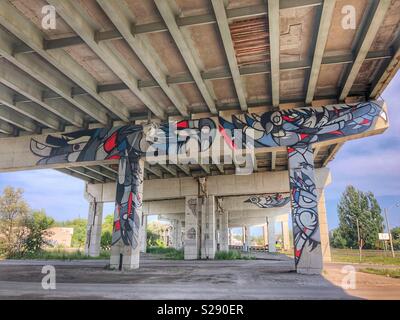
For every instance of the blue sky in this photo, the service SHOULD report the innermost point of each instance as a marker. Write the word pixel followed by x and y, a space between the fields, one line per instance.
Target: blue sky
pixel 370 164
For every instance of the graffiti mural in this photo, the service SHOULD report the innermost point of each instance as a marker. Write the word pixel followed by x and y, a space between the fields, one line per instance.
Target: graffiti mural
pixel 302 125
pixel 128 144
pixel 269 201
pixel 306 235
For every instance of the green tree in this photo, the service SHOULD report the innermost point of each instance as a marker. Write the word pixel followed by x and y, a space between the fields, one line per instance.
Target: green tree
pixel 13 213
pixel 363 207
pixel 396 238
pixel 155 231
pixel 106 232
pixel 37 225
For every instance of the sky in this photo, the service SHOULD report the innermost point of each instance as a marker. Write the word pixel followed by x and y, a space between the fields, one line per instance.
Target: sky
pixel 369 164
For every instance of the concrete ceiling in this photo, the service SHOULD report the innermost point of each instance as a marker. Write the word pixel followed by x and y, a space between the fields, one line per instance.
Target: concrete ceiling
pixel 128 60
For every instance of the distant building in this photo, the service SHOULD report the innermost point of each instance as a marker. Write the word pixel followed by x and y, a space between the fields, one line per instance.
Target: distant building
pixel 60 237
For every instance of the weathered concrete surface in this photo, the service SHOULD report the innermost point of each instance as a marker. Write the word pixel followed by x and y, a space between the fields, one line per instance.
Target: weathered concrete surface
pixel 253 279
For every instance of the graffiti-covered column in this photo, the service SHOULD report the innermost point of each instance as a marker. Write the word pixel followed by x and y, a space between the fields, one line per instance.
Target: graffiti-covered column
pixel 306 234
pixel 125 249
pixel 93 229
pixel 192 236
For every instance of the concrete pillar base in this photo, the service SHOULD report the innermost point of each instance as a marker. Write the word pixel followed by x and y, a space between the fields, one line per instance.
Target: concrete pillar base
pixel 123 258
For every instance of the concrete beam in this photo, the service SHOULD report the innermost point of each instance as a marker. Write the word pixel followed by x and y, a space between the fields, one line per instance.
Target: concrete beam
pixel 223 27
pixel 374 20
pixel 17 81
pixel 222 186
pixel 387 71
pixel 274 39
pixel 70 12
pixel 48 76
pixel 10 116
pixel 170 169
pixel 29 110
pixel 169 19
pixel 320 43
pixel 5 127
pixel 26 31
pixel 119 14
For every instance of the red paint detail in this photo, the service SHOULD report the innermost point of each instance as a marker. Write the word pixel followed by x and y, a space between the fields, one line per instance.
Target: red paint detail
pixel 365 121
pixel 226 137
pixel 290 150
pixel 117 225
pixel 303 136
pixel 114 157
pixel 298 253
pixel 182 124
pixel 305 229
pixel 337 132
pixel 130 204
pixel 288 119
pixel 111 142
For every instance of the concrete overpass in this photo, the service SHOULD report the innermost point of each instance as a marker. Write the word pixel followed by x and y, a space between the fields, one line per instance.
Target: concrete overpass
pixel 111 75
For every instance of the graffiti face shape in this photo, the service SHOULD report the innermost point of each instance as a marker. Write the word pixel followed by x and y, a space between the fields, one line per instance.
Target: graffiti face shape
pixel 269 201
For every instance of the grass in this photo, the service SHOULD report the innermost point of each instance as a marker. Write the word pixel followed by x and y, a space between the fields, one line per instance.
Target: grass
pixel 392 273
pixel 368 256
pixel 166 253
pixel 232 255
pixel 60 254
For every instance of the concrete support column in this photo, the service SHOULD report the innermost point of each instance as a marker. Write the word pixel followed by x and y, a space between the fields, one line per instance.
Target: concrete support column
pixel 208 227
pixel 246 246
pixel 192 234
pixel 323 226
pixel 271 235
pixel 285 235
pixel 125 249
pixel 304 201
pixel 143 235
pixel 265 234
pixel 224 231
pixel 93 229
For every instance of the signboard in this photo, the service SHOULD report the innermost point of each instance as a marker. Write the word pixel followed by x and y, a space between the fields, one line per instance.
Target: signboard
pixel 383 236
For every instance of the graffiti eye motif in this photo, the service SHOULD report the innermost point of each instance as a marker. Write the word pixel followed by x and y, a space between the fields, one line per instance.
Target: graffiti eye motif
pixel 77 147
pixel 276 118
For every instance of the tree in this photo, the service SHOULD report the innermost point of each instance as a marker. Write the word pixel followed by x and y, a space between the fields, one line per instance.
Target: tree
pixel 13 213
pixel 106 232
pixel 155 234
pixel 358 207
pixel 396 238
pixel 37 225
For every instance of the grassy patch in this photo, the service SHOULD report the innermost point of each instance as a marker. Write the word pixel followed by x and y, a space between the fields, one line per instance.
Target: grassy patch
pixel 61 255
pixel 166 253
pixel 368 256
pixel 392 273
pixel 232 255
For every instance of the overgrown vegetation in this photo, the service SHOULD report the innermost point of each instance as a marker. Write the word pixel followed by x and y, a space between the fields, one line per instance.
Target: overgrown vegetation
pixel 62 254
pixel 232 255
pixel 22 231
pixel 166 253
pixel 392 273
